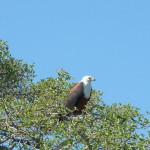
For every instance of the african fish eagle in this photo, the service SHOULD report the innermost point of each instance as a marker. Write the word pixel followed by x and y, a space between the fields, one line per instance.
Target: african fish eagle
pixel 80 94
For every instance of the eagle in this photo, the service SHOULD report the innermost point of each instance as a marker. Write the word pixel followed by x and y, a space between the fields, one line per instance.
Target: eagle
pixel 79 95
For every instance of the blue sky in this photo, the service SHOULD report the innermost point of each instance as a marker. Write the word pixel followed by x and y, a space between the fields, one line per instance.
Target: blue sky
pixel 109 40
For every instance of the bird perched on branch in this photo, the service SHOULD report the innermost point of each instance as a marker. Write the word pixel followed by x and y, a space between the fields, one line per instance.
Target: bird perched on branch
pixel 79 94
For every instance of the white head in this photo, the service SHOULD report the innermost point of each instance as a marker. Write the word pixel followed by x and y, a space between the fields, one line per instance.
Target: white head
pixel 87 85
pixel 87 79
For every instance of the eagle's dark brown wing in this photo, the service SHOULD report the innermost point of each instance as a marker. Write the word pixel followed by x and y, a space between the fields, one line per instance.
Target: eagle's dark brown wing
pixel 76 92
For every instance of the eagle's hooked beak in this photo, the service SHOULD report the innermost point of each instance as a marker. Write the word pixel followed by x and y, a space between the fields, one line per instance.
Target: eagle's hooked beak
pixel 92 79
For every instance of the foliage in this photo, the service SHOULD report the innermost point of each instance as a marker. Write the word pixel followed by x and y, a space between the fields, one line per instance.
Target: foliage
pixel 30 114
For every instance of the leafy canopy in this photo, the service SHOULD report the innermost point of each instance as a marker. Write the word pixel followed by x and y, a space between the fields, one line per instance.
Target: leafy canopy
pixel 30 113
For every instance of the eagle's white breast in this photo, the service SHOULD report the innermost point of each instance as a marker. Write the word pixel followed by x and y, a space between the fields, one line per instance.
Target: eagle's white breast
pixel 87 89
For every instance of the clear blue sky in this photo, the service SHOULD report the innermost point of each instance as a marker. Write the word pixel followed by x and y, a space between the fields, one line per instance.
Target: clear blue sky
pixel 108 39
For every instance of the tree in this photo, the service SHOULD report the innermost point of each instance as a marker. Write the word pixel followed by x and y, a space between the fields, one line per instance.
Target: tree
pixel 30 114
